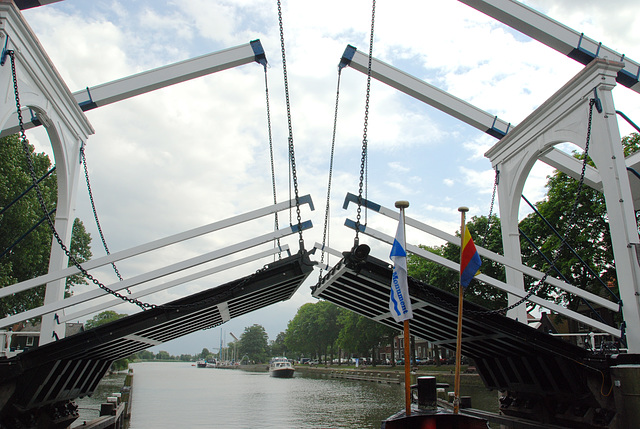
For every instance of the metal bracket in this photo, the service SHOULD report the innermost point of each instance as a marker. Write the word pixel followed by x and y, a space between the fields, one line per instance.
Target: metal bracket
pixel 5 52
pixel 598 102
pixel 260 56
pixel 347 56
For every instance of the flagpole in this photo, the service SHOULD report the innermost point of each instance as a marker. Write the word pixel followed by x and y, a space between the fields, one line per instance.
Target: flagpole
pixel 456 388
pixel 407 345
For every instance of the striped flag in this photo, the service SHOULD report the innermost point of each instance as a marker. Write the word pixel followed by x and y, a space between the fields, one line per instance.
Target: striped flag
pixel 469 261
pixel 399 301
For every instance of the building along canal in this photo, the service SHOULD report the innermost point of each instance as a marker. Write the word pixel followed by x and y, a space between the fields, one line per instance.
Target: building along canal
pixel 170 395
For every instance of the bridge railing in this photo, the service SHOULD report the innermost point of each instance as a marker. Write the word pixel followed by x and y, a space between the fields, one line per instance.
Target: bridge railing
pixel 520 293
pixel 160 272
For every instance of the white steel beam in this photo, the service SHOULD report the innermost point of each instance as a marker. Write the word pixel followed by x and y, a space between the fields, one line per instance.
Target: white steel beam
pixel 329 251
pixel 172 283
pixel 459 109
pixel 153 245
pixel 425 92
pixel 393 214
pixel 563 39
pixel 161 77
pixel 151 275
pixel 493 282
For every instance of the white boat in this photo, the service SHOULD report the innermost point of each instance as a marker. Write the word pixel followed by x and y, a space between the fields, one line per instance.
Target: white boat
pixel 281 367
pixel 201 363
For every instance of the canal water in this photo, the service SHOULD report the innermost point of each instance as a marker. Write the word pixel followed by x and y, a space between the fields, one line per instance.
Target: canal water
pixel 172 395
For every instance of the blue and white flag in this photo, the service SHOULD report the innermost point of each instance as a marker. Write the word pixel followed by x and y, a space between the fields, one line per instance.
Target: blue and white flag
pixel 399 302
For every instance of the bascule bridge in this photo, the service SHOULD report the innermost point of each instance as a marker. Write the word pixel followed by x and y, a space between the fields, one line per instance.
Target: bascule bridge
pixel 547 381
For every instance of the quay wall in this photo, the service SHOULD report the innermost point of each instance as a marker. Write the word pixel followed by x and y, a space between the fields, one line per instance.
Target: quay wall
pixel 386 374
pixel 117 410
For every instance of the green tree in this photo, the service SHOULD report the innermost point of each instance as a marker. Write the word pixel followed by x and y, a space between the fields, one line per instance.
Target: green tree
pixel 254 342
pixel 327 329
pixel 278 346
pixel 572 211
pixel 314 329
pixel 81 251
pixel 362 336
pixel 163 355
pixel 447 279
pixel 146 355
pixel 26 254
pixel 103 318
pixel 557 207
pixel 300 330
pixel 204 353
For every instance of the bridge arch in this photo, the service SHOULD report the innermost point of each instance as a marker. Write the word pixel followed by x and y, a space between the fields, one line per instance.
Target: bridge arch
pixel 41 90
pixel 565 118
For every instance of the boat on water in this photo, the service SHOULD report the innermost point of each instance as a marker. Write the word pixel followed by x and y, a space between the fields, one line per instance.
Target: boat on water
pixel 280 367
pixel 201 363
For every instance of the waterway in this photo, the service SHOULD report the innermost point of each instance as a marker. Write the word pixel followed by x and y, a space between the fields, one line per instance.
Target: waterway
pixel 171 395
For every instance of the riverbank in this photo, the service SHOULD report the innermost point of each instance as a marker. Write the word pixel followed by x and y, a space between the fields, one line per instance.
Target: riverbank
pixel 388 374
pixel 109 406
pixel 380 373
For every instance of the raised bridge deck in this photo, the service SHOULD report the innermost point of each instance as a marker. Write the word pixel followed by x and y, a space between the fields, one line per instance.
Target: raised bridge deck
pixel 56 373
pixel 545 378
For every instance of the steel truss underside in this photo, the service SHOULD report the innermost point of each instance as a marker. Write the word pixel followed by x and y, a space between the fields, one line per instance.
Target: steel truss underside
pixel 509 356
pixel 72 367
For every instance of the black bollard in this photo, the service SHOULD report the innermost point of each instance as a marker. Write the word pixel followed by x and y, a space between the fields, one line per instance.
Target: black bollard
pixel 465 402
pixel 427 396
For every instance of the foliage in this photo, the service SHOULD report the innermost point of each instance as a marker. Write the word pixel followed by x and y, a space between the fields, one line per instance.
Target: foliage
pixel 204 354
pixel 146 355
pixel 81 251
pixel 29 257
pixel 558 208
pixel 585 211
pixel 103 318
pixel 278 346
pixel 254 343
pixel 314 329
pixel 319 329
pixel 361 335
pixel 163 355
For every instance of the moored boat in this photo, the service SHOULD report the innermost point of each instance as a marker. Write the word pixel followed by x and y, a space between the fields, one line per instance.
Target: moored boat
pixel 201 363
pixel 280 367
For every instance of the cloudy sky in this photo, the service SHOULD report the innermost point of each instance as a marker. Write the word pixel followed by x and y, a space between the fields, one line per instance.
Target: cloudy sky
pixel 198 152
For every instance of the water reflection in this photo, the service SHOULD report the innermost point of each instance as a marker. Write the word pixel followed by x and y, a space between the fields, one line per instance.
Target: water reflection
pixel 170 395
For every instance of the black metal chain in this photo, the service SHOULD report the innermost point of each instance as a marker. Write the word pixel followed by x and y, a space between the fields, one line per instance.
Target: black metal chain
pixel 292 158
pixel 67 252
pixel 574 211
pixel 496 180
pixel 273 171
pixel 363 160
pixel 327 210
pixel 95 213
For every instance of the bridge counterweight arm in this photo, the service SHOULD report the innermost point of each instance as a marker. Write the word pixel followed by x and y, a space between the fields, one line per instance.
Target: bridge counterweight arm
pixel 426 93
pixel 459 109
pixel 563 39
pixel 161 77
